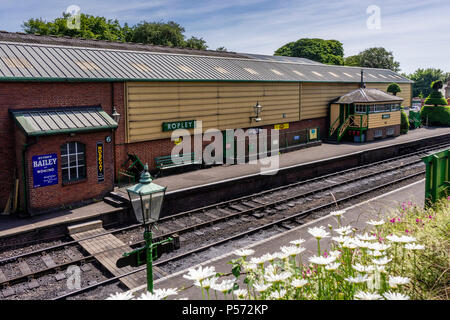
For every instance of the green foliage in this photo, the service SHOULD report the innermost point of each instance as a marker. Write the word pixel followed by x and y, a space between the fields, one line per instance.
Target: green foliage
pixel 93 27
pixel 379 58
pixel 222 49
pixel 436 98
pixel 437 115
pixel 324 51
pixel 404 125
pixel 423 78
pixel 429 269
pixel 353 61
pixel 394 88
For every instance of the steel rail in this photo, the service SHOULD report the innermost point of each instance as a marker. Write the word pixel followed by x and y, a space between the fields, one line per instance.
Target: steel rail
pixel 242 234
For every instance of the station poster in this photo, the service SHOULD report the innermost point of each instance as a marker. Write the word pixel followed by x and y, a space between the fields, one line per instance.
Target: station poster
pixel 45 170
pixel 100 166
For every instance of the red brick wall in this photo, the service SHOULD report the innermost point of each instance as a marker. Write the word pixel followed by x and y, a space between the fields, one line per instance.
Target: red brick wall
pixel 148 150
pixel 48 95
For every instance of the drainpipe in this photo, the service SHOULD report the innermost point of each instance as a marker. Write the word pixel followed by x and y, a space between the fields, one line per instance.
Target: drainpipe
pixel 24 172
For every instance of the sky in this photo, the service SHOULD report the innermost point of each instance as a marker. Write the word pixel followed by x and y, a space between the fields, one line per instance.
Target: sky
pixel 416 31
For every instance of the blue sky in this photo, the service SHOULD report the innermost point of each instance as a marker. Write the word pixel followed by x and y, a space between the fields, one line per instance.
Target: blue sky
pixel 417 31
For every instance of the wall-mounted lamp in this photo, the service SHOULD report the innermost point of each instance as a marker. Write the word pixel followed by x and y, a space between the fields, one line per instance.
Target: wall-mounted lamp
pixel 115 115
pixel 258 110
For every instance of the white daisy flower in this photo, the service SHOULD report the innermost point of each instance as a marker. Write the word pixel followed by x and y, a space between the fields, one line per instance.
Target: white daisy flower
pixel 244 252
pixel 120 296
pixel 240 293
pixel 401 239
pixel 360 268
pixel 375 223
pixel 149 296
pixel 344 231
pixel 337 213
pixel 206 283
pixel 269 257
pixel 259 260
pixel 414 246
pixel 358 279
pixel 366 237
pixel 164 293
pixel 379 246
pixel 277 295
pixel 200 273
pixel 250 267
pixel 350 244
pixel 318 232
pixel 271 277
pixel 281 255
pixel 395 281
pixel 332 266
pixel 361 244
pixel 322 260
pixel 261 287
pixel 340 239
pixel 298 283
pixel 292 250
pixel 395 296
pixel 361 295
pixel 375 253
pixel 223 286
pixel 297 242
pixel 381 261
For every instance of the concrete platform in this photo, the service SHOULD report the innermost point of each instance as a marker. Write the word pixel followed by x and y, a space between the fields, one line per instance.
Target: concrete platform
pixel 206 186
pixel 356 216
pixel 195 179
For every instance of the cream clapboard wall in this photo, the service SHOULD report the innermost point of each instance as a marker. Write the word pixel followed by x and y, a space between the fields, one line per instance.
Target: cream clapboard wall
pixel 225 105
pixel 220 105
pixel 376 119
pixel 406 93
pixel 315 97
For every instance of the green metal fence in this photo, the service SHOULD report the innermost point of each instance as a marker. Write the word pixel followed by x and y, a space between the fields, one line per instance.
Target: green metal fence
pixel 437 176
pixel 414 120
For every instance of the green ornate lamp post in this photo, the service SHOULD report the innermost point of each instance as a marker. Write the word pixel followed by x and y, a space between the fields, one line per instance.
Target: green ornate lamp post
pixel 146 199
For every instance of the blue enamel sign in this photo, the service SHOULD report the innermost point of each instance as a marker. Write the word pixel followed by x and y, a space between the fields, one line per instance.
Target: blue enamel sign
pixel 45 170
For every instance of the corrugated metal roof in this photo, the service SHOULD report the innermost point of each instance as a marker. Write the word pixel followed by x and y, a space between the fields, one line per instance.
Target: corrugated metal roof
pixel 279 58
pixel 366 96
pixel 62 120
pixel 20 61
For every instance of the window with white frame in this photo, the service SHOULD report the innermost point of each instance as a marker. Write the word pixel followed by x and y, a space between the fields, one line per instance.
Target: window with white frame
pixel 73 161
pixel 360 108
pixel 378 133
pixel 395 107
pixel 390 131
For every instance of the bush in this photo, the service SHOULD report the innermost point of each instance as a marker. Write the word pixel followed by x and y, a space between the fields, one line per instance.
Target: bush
pixel 404 125
pixel 394 88
pixel 437 115
pixel 436 98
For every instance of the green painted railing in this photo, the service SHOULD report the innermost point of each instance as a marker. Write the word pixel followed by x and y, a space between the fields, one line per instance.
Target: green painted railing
pixel 437 176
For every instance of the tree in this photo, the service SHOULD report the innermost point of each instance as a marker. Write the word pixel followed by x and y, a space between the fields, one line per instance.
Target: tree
pixel 324 51
pixel 423 79
pixel 222 49
pixel 196 43
pixel 159 33
pixel 91 27
pixel 379 58
pixel 394 88
pixel 435 98
pixel 353 61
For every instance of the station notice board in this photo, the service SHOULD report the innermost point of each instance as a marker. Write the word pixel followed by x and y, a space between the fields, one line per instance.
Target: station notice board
pixel 45 170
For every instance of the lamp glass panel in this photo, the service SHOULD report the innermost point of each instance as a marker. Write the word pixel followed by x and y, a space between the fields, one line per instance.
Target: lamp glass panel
pixel 156 204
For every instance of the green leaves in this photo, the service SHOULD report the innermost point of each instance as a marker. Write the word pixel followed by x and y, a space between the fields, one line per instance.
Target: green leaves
pixel 324 51
pixel 95 27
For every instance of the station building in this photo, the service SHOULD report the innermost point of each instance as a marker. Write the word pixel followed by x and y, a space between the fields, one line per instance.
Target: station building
pixel 62 139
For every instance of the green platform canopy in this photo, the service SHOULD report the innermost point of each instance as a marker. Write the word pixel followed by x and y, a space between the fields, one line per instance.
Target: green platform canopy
pixel 39 122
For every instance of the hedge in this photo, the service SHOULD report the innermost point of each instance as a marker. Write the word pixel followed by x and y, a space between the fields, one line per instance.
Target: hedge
pixel 404 126
pixel 437 115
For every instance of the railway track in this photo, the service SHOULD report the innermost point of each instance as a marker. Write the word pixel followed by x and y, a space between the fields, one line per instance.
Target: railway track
pixel 284 206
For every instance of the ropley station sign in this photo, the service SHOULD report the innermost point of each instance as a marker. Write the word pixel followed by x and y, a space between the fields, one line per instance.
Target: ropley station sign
pixel 170 126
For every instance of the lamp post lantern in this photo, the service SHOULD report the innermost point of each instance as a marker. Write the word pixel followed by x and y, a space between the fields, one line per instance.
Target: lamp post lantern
pixel 146 199
pixel 258 108
pixel 115 115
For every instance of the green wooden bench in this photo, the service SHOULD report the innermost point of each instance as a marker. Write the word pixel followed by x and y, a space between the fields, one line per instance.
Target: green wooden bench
pixel 167 162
